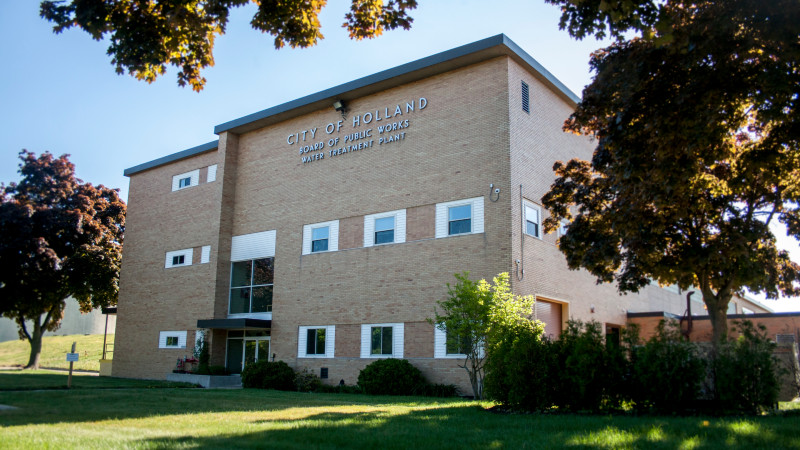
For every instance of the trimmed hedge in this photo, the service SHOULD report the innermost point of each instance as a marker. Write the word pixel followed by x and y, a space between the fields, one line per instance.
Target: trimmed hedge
pixel 269 375
pixel 390 377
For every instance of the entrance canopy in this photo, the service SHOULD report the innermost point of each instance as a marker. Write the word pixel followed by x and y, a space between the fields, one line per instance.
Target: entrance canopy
pixel 234 324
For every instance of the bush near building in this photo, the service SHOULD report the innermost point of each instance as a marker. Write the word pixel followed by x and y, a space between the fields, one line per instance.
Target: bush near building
pixel 268 375
pixel 390 377
pixel 667 374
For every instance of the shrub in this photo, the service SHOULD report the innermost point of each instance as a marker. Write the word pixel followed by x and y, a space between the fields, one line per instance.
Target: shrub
pixel 390 377
pixel 268 375
pixel 746 373
pixel 584 373
pixel 667 372
pixel 518 369
pixel 201 353
pixel 307 381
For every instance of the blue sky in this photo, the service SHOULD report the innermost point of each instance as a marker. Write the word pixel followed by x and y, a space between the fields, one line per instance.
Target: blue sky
pixel 59 93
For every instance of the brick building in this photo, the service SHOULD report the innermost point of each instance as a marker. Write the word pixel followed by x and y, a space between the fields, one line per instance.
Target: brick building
pixel 321 232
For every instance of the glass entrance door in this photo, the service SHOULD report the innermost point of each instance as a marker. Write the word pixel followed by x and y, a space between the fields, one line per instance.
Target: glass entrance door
pixel 255 349
pixel 245 348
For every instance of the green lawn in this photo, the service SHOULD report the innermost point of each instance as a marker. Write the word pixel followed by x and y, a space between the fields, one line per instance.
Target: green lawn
pixel 54 351
pixel 187 418
pixel 15 380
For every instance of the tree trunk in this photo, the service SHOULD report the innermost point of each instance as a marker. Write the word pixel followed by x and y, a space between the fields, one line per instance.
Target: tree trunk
pixel 36 345
pixel 718 315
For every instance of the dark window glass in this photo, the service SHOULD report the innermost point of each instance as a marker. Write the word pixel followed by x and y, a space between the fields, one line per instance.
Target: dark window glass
pixel 311 341
pixel 240 274
pixel 177 260
pixel 255 333
pixel 251 286
pixel 384 237
pixel 172 341
pixel 319 245
pixel 315 341
pixel 381 341
pixel 185 182
pixel 386 346
pixel 263 271
pixel 262 299
pixel 240 300
pixel 233 362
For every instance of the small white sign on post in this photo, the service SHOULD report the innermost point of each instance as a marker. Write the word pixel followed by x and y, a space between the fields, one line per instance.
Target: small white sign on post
pixel 72 357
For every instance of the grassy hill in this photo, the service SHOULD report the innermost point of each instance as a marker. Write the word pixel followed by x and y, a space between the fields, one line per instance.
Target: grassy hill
pixel 54 350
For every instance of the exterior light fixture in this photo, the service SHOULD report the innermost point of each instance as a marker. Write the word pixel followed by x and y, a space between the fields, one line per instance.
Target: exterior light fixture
pixel 339 105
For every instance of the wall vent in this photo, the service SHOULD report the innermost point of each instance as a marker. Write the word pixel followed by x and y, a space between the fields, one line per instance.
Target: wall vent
pixel 526 99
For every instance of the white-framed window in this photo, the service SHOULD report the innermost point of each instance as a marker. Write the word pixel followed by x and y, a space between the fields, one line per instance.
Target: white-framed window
pixel 382 340
pixel 185 180
pixel 316 341
pixel 385 228
pixel 321 237
pixel 179 258
pixel 447 346
pixel 205 254
pixel 172 339
pixel 212 173
pixel 459 217
pixel 532 219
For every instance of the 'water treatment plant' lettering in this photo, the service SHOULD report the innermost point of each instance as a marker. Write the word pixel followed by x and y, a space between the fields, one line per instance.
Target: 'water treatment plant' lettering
pixel 370 129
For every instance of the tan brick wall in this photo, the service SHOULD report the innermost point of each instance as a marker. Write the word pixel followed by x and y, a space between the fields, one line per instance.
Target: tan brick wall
pixel 421 222
pixel 152 298
pixel 351 232
pixel 537 142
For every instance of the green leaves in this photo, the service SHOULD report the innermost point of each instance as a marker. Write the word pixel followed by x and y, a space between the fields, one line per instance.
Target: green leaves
pixel 480 313
pixel 698 148
pixel 148 35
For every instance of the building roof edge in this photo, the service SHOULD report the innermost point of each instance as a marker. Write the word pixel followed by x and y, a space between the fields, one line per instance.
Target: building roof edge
pixel 207 147
pixel 484 49
pixel 412 71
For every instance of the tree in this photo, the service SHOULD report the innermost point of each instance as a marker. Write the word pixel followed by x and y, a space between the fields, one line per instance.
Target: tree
pixel 60 237
pixel 147 35
pixel 697 124
pixel 476 312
